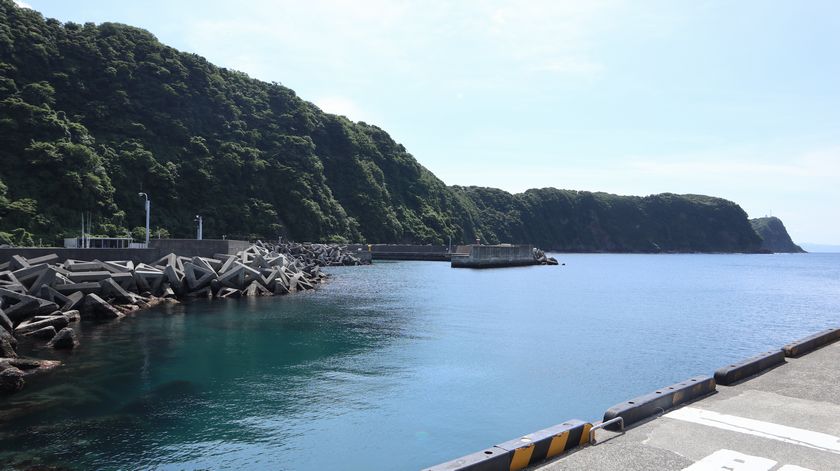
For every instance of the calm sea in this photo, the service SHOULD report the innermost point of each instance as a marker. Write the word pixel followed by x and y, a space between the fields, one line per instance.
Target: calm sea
pixel 406 364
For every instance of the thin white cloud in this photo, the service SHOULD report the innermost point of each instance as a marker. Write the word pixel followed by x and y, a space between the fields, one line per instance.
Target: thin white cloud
pixel 814 164
pixel 412 37
pixel 571 66
pixel 23 4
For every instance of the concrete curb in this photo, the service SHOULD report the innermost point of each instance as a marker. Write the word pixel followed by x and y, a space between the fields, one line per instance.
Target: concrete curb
pixel 811 343
pixel 659 401
pixel 491 459
pixel 735 372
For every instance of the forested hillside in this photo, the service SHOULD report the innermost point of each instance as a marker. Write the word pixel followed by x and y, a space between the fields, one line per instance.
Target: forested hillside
pixel 90 115
pixel 584 221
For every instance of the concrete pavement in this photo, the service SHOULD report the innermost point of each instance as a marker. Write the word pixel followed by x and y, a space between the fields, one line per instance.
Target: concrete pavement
pixel 787 419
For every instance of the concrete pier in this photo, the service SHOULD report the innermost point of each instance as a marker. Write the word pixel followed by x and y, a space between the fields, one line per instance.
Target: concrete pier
pixel 493 256
pixel 786 419
pixel 431 253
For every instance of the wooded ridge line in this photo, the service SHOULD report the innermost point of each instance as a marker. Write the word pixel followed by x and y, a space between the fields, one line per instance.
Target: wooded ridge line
pixel 90 115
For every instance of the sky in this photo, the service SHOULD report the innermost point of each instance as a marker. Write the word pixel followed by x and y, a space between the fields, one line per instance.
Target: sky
pixel 739 100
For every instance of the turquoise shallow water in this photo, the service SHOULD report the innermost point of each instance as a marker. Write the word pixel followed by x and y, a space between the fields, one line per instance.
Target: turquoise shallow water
pixel 406 364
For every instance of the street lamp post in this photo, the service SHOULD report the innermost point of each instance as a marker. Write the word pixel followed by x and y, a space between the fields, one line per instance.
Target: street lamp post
pixel 200 232
pixel 148 210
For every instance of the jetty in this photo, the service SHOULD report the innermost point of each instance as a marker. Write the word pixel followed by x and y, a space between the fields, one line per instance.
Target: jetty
pixel 406 252
pixel 460 256
pixel 496 256
pixel 776 411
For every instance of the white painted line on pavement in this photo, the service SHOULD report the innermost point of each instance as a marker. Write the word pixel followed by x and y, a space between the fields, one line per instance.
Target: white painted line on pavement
pixel 758 428
pixel 728 460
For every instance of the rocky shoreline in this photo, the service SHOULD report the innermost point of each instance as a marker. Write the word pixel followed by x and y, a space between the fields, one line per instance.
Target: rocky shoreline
pixel 40 298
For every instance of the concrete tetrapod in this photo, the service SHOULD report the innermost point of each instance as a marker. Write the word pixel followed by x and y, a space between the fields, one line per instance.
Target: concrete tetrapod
pixel 40 296
pixel 65 339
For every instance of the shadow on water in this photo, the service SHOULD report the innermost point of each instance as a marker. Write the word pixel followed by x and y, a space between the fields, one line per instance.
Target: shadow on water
pixel 205 372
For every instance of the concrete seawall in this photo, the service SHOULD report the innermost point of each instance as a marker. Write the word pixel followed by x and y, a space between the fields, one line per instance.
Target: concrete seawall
pixel 779 416
pixel 781 419
pixel 493 256
pixel 135 255
pixel 157 249
pixel 434 253
pixel 199 248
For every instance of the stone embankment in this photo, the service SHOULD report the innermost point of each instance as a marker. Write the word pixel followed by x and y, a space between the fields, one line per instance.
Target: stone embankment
pixel 40 299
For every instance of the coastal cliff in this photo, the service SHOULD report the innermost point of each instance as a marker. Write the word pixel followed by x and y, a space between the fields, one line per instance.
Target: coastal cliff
pixel 90 115
pixel 774 235
pixel 581 221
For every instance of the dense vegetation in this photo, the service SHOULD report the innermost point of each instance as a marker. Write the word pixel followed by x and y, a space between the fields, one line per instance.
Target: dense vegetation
pixel 90 115
pixel 584 221
pixel 774 235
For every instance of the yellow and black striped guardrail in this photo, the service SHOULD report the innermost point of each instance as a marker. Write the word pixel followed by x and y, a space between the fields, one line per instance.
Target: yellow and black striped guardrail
pixel 522 452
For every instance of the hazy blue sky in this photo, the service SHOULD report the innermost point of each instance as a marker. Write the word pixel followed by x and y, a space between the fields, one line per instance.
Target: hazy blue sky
pixel 733 99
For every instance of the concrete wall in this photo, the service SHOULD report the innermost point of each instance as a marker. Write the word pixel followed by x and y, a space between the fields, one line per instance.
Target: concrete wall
pixel 403 251
pixel 360 253
pixel 489 256
pixel 400 248
pixel 157 248
pixel 135 255
pixel 198 248
pixel 441 249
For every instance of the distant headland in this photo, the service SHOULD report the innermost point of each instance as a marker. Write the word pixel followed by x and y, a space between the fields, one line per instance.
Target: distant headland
pixel 774 235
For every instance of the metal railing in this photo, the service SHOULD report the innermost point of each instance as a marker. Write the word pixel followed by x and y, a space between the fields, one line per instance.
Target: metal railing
pixel 604 424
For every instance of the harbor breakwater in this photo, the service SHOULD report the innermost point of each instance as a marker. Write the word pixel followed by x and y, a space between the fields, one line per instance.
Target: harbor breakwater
pixel 40 298
pixel 473 256
pixel 497 256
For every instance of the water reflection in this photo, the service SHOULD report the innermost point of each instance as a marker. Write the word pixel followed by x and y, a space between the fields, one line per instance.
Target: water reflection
pixel 407 364
pixel 235 371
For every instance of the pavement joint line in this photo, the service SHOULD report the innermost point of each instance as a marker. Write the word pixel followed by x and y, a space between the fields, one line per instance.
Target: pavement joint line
pixel 783 433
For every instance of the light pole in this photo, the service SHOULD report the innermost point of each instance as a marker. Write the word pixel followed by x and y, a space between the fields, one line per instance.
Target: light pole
pixel 200 232
pixel 148 209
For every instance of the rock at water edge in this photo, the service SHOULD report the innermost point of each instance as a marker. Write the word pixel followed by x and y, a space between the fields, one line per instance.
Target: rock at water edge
pixel 11 380
pixel 65 339
pixel 45 333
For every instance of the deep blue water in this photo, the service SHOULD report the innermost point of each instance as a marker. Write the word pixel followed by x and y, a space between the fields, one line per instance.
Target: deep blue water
pixel 405 364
